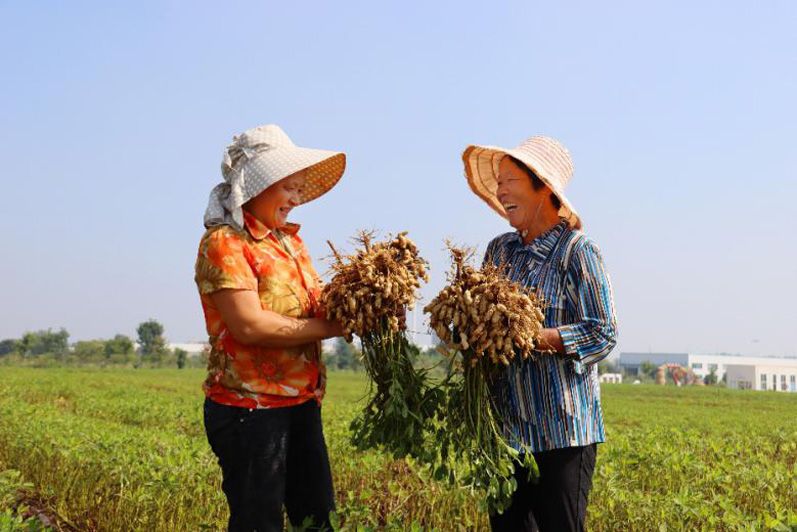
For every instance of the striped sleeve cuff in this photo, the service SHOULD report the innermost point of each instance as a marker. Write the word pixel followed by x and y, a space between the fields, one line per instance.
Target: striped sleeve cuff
pixel 571 348
pixel 569 340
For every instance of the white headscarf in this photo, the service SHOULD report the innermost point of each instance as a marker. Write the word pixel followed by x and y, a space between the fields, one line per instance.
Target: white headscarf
pixel 258 158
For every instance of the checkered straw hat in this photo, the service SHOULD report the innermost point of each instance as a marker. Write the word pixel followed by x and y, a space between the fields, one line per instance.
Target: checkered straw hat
pixel 546 157
pixel 258 158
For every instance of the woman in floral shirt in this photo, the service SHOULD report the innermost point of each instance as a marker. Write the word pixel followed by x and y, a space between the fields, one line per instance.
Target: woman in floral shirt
pixel 260 296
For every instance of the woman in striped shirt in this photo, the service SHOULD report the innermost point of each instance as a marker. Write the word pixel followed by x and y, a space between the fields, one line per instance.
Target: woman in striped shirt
pixel 550 405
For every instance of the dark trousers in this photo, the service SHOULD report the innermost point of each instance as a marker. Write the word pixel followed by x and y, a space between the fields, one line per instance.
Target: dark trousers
pixel 558 502
pixel 271 457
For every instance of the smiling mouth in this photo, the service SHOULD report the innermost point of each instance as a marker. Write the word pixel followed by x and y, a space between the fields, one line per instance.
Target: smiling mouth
pixel 285 210
pixel 509 207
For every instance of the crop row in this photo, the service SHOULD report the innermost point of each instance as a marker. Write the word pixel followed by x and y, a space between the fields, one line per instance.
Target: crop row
pixel 125 450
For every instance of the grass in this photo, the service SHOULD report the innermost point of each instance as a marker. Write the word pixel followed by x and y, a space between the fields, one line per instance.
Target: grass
pixel 125 450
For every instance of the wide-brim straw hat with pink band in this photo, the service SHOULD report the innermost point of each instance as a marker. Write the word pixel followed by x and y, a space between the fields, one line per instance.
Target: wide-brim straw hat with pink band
pixel 260 157
pixel 546 157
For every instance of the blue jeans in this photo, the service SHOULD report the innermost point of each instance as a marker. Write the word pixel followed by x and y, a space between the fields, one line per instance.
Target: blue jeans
pixel 270 458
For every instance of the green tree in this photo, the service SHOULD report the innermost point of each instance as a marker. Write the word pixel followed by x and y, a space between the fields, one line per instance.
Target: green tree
pixel 8 346
pixel 119 345
pixel 648 368
pixel 711 378
pixel 180 356
pixel 346 355
pixel 45 342
pixel 89 351
pixel 152 344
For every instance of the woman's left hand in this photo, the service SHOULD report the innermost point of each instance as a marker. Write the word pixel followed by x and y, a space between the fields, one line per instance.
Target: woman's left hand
pixel 551 342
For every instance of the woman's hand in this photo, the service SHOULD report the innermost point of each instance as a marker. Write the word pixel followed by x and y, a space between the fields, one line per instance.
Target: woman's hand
pixel 250 324
pixel 551 342
pixel 335 328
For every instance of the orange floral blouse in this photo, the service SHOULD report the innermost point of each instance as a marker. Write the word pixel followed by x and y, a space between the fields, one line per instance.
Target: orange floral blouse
pixel 276 265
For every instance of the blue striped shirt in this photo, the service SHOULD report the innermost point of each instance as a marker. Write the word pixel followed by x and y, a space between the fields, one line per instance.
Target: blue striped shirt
pixel 554 402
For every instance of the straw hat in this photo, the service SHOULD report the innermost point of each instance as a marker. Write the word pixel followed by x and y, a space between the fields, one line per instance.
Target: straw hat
pixel 546 157
pixel 260 157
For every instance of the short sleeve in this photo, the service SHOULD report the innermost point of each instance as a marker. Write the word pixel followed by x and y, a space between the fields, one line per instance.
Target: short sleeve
pixel 222 263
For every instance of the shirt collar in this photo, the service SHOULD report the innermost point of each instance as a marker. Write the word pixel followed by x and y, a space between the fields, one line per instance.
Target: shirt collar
pixel 542 246
pixel 259 231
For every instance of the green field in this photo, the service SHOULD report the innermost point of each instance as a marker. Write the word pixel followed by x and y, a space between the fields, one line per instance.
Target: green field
pixel 117 450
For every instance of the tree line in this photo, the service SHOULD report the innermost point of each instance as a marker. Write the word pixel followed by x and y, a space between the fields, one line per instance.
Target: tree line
pixel 150 349
pixel 346 356
pixel 52 348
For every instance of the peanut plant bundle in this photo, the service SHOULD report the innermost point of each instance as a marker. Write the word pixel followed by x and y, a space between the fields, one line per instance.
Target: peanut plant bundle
pixel 367 293
pixel 489 321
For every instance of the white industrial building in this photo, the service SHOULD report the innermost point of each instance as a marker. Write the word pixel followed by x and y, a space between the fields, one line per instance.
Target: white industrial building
pixel 611 378
pixel 742 372
pixel 774 374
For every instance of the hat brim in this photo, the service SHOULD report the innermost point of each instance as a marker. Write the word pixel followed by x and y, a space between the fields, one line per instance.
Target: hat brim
pixel 322 176
pixel 481 170
pixel 323 169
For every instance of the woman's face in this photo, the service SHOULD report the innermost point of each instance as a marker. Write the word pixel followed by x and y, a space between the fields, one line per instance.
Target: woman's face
pixel 273 205
pixel 516 194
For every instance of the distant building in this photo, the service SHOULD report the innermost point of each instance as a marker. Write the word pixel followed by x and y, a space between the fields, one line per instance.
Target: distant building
pixel 611 378
pixel 741 372
pixel 631 362
pixel 771 375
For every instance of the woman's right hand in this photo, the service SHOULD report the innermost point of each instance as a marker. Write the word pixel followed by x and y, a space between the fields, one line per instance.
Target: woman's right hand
pixel 335 328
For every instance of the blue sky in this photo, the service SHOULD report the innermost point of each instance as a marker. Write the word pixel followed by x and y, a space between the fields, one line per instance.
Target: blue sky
pixel 681 118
